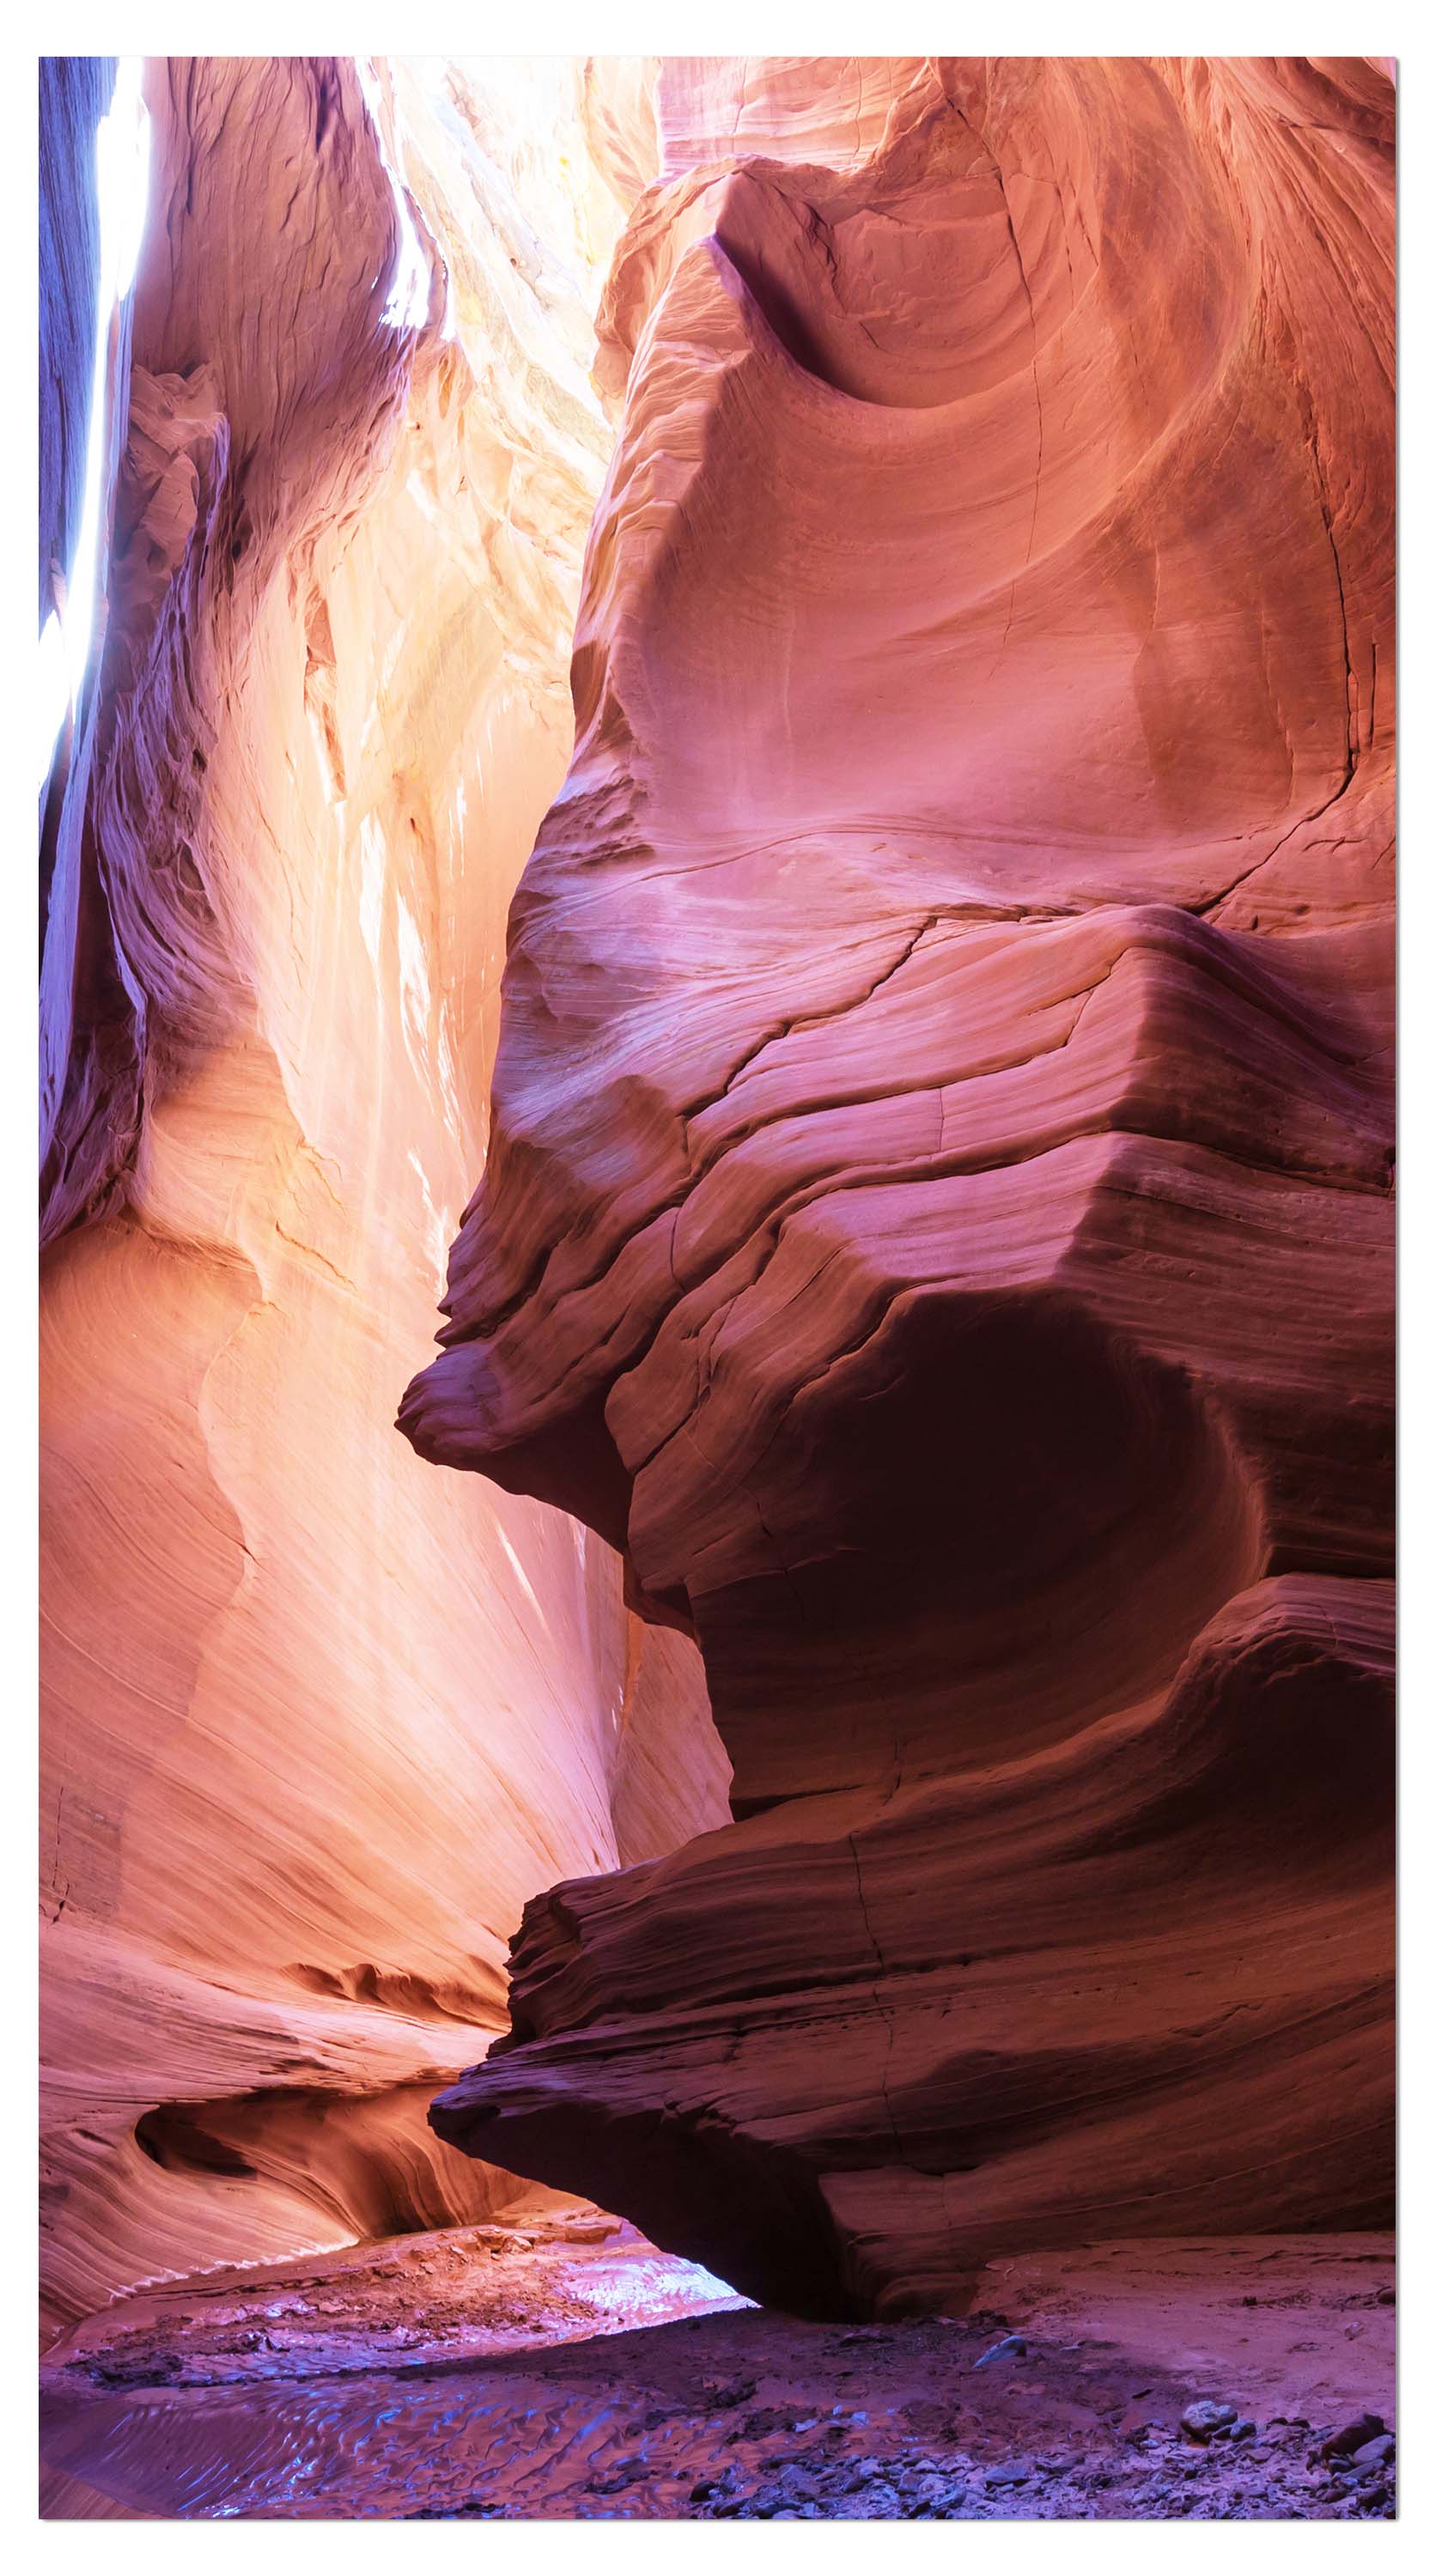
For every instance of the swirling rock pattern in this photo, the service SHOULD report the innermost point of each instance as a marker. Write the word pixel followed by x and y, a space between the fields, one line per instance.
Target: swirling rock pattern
pixel 938 1215
pixel 314 1726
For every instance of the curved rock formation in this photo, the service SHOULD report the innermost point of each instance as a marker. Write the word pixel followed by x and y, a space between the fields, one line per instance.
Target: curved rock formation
pixel 937 1222
pixel 315 1725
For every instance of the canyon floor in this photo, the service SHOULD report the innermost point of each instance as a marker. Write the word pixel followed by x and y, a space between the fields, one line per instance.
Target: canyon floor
pixel 565 2369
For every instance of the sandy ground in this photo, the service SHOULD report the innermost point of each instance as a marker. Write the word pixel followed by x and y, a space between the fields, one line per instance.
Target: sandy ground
pixel 568 2370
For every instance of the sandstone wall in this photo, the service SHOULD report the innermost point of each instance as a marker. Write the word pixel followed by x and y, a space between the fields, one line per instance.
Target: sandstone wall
pixel 938 1217
pixel 316 1722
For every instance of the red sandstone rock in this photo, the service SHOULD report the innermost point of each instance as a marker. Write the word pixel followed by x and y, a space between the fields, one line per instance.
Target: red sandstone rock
pixel 315 1723
pixel 937 1222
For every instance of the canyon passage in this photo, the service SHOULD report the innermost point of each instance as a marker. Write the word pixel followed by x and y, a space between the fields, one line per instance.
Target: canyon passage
pixel 739 741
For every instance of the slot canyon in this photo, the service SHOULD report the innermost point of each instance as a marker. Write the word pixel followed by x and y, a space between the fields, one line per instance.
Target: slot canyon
pixel 724 729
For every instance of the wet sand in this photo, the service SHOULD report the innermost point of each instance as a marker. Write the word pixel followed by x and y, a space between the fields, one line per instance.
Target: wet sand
pixel 570 2370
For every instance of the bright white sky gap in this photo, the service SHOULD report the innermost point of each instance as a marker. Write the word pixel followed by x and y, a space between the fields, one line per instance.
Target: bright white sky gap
pixel 408 305
pixel 122 174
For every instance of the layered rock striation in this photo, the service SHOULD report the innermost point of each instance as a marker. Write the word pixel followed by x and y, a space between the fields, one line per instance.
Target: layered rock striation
pixel 937 1223
pixel 315 1723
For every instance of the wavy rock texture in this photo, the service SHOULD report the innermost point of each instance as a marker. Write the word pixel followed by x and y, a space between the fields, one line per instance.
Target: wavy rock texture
pixel 937 1221
pixel 317 1723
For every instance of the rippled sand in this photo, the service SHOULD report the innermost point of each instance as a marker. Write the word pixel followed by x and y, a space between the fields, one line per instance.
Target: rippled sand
pixel 575 2371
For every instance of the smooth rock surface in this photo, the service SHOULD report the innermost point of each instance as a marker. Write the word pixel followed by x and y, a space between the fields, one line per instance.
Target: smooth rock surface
pixel 937 1222
pixel 316 1722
